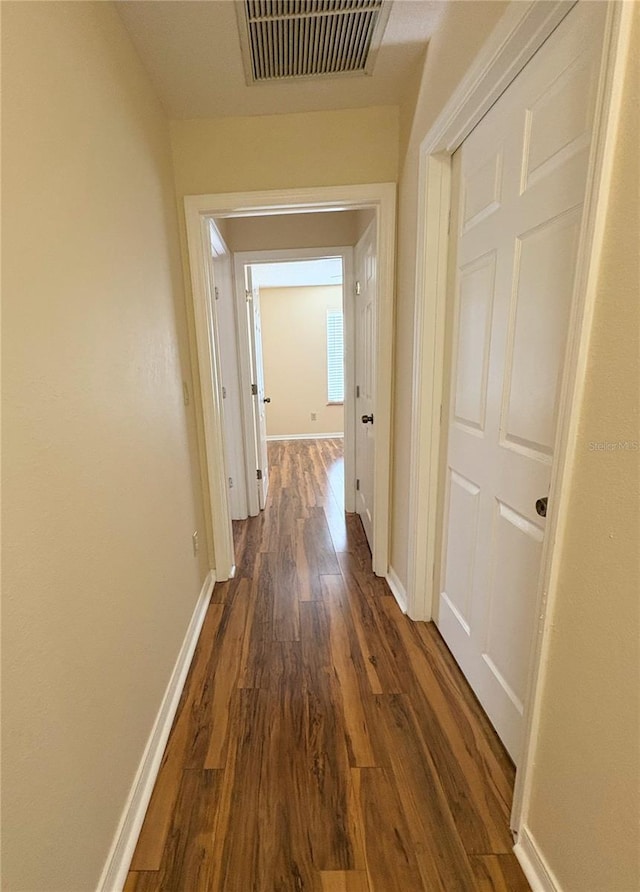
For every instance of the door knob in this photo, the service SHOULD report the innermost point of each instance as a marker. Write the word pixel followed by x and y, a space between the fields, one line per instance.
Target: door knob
pixel 267 399
pixel 541 506
pixel 367 419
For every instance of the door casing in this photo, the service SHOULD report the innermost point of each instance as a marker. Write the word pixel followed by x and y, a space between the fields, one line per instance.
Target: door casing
pixel 518 35
pixel 245 258
pixel 198 210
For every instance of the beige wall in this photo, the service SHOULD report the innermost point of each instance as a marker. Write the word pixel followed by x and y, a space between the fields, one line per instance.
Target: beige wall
pixel 286 151
pixel 99 499
pixel 364 218
pixel 294 341
pixel 585 809
pixel 285 231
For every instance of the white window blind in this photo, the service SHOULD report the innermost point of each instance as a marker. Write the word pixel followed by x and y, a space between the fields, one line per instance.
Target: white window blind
pixel 335 357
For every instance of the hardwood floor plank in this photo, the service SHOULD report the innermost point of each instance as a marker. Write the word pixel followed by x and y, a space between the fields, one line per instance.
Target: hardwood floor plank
pixel 247 545
pixel 442 860
pixel 344 881
pixel 326 762
pixel 155 829
pixel 350 690
pixel 319 545
pixel 444 663
pixel 261 836
pixel 473 780
pixel 136 880
pixel 308 578
pixel 286 613
pixel 365 606
pixel 187 860
pixel 225 676
pixel 259 631
pixel 187 856
pixel 323 742
pixel 498 873
pixel 391 861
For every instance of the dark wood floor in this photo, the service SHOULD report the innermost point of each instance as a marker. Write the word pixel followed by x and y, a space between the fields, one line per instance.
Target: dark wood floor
pixel 323 741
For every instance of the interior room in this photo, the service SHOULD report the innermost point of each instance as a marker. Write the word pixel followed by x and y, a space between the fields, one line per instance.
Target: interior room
pixel 394 646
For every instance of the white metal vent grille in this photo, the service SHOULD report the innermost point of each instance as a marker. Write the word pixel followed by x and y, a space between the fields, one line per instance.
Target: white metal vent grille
pixel 309 38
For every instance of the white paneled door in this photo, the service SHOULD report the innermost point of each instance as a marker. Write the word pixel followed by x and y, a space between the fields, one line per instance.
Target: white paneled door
pixel 257 386
pixel 519 186
pixel 365 374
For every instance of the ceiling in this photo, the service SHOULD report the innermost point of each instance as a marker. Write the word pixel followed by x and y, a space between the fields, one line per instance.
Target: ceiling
pixel 191 49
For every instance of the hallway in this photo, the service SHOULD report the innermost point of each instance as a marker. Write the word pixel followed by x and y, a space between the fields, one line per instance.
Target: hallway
pixel 323 741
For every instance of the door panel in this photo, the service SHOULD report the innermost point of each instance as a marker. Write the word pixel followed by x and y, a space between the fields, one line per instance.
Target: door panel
pixel 365 322
pixel 545 261
pixel 474 340
pixel 519 184
pixel 257 369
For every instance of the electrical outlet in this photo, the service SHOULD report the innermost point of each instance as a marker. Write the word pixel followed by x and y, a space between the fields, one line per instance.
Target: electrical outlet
pixel 314 416
pixel 194 540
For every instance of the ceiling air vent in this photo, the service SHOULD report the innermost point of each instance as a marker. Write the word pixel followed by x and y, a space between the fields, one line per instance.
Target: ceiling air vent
pixel 309 38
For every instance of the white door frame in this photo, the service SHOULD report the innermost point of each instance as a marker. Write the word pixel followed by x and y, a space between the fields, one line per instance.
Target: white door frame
pixel 518 35
pixel 345 252
pixel 198 209
pixel 233 432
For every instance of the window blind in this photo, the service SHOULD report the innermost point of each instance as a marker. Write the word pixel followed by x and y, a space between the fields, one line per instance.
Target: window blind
pixel 335 357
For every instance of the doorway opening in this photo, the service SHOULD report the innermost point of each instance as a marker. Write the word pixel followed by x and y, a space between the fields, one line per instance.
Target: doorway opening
pixel 295 345
pixel 215 221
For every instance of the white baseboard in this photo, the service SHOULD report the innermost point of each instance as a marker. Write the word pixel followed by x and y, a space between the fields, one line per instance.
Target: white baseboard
pixel 533 863
pixel 397 589
pixel 232 571
pixel 337 436
pixel 115 871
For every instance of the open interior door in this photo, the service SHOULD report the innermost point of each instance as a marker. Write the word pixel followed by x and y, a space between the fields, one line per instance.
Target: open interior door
pixel 365 373
pixel 257 387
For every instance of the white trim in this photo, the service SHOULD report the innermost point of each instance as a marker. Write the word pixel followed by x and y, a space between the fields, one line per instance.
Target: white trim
pixel 226 330
pixel 243 343
pixel 114 873
pixel 381 197
pixel 203 289
pixel 518 35
pixel 397 589
pixel 534 866
pixel 275 437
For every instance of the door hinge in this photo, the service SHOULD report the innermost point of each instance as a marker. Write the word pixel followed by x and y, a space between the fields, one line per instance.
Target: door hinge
pixel 230 482
pixel 254 390
pixel 216 291
pixel 224 393
pixel 357 288
pixel 357 391
pixel 357 484
pixel 248 294
pixel 259 474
